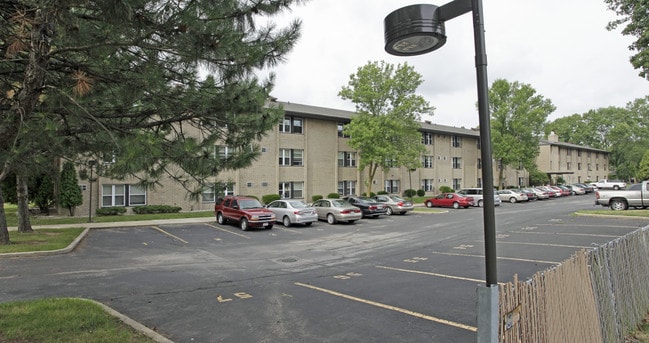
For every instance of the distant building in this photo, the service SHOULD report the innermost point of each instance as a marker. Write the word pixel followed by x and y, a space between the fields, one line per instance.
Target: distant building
pixel 574 163
pixel 307 154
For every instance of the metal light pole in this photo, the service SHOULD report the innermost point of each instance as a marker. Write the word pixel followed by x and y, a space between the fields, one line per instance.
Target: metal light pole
pixel 419 29
pixel 92 164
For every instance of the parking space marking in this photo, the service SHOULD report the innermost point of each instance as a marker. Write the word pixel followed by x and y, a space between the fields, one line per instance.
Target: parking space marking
pixel 391 308
pixel 228 231
pixel 499 257
pixel 170 235
pixel 593 225
pixel 566 234
pixel 286 229
pixel 547 245
pixel 431 274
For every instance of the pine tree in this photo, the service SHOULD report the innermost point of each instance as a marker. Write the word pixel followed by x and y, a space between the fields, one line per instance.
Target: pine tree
pixel 124 79
pixel 70 191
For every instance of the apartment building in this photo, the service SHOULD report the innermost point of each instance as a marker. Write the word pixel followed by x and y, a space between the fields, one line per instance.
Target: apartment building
pixel 308 154
pixel 574 163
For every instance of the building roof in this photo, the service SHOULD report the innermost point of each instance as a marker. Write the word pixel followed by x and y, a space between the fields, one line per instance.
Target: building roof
pixel 569 145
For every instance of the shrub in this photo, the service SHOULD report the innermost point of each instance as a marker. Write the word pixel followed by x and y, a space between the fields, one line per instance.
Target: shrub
pixel 268 198
pixel 316 197
pixel 446 189
pixel 382 193
pixel 333 196
pixel 111 211
pixel 153 209
pixel 410 193
pixel 372 194
pixel 421 192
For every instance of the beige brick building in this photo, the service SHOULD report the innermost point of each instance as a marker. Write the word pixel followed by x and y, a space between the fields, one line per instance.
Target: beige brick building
pixel 307 154
pixel 575 163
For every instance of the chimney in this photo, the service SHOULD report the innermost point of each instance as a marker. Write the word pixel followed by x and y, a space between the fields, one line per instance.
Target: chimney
pixel 553 137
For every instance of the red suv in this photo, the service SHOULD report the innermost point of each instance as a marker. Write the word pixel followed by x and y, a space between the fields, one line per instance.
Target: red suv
pixel 247 212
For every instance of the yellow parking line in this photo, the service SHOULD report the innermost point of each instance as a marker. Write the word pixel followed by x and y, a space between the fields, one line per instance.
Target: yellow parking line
pixel 170 235
pixel 392 308
pixel 431 274
pixel 500 258
pixel 228 231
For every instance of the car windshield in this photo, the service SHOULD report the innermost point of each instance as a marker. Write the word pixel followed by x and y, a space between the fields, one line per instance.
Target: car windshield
pixel 298 204
pixel 249 203
pixel 396 198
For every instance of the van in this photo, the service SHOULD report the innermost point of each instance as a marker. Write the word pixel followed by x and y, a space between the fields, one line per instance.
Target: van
pixel 477 195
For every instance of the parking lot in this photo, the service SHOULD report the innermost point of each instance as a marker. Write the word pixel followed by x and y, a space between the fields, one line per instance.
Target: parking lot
pixel 395 278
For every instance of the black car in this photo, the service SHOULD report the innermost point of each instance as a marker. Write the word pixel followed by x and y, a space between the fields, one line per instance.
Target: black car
pixel 368 206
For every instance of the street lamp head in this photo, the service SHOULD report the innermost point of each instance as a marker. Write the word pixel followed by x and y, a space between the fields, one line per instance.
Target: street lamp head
pixel 414 30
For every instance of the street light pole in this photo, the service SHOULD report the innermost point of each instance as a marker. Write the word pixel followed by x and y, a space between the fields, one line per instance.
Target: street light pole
pixel 419 29
pixel 91 163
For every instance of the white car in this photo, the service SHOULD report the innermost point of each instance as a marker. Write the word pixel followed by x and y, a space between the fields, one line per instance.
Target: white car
pixel 476 193
pixel 291 211
pixel 512 196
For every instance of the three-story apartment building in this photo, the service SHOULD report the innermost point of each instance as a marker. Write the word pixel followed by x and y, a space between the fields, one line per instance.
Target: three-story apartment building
pixel 308 154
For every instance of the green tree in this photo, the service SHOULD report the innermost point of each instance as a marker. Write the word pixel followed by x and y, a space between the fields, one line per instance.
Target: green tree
pixel 635 14
pixel 518 116
pixel 386 129
pixel 43 195
pixel 643 169
pixel 70 196
pixel 124 79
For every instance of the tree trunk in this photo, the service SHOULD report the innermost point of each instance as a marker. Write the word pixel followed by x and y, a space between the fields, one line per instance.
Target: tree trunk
pixel 4 230
pixel 23 205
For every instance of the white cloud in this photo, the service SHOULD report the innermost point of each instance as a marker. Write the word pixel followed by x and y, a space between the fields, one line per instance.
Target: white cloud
pixel 561 48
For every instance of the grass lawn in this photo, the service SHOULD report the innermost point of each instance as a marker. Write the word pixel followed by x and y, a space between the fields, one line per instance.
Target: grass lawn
pixel 63 320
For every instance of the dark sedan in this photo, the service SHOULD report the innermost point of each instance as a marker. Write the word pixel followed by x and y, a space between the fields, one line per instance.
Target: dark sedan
pixel 368 206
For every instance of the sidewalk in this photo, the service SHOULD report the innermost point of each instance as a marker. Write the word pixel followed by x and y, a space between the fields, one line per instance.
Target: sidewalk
pixel 123 224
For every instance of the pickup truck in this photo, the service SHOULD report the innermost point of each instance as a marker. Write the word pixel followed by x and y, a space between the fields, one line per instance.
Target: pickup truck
pixel 245 211
pixel 636 196
pixel 610 184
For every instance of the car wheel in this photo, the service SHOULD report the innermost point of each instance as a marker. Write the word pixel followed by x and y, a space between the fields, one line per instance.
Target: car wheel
pixel 219 218
pixel 616 187
pixel 331 219
pixel 618 205
pixel 244 224
pixel 429 204
pixel 512 200
pixel 479 203
pixel 389 211
pixel 286 221
pixel 456 205
pixel 308 224
pixel 270 226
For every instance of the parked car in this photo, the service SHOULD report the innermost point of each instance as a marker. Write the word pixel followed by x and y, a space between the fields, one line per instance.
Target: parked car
pixel 336 210
pixel 291 211
pixel 246 212
pixel 540 194
pixel 477 195
pixel 512 196
pixel 394 204
pixel 450 200
pixel 530 195
pixel 368 206
pixel 587 188
pixel 562 191
pixel 551 192
pixel 576 190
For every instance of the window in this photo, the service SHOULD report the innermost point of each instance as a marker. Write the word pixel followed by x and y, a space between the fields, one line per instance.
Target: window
pixel 521 181
pixel 479 182
pixel 209 194
pixel 427 161
pixel 579 166
pixel 427 138
pixel 347 187
pixel 479 144
pixel 457 141
pixel 457 162
pixel 479 163
pixel 223 152
pixel 520 165
pixel 427 185
pixel 457 183
pixel 346 159
pixel 291 190
pixel 341 128
pixel 569 165
pixel 597 166
pixel 390 163
pixel 291 125
pixel 579 153
pixel 290 157
pixel 392 186
pixel 122 195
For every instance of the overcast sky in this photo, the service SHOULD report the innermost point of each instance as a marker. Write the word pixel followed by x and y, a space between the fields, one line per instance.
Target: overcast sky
pixel 561 48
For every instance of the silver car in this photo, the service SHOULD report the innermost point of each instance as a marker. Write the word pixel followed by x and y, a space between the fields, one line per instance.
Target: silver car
pixel 395 204
pixel 512 195
pixel 335 210
pixel 292 211
pixel 478 197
